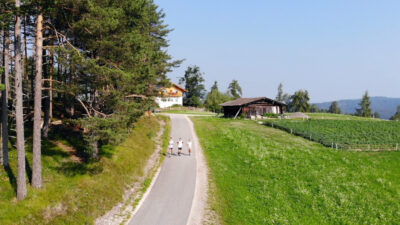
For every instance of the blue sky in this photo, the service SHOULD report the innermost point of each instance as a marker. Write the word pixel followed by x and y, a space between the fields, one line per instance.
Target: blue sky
pixel 335 49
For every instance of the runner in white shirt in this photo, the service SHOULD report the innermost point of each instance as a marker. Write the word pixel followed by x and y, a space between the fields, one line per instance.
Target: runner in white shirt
pixel 170 146
pixel 180 146
pixel 189 146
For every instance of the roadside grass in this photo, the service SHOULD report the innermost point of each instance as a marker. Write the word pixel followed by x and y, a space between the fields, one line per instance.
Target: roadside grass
pixel 267 176
pixel 164 147
pixel 75 192
pixel 166 135
pixel 190 112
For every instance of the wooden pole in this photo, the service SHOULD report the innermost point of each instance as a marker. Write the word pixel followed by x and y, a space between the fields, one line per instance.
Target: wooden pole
pixel 238 112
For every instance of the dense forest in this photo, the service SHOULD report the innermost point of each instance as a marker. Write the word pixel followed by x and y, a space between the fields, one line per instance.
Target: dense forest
pixel 86 65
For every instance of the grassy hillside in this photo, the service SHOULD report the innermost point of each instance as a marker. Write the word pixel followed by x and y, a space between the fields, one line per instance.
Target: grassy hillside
pixel 75 192
pixel 266 176
pixel 347 134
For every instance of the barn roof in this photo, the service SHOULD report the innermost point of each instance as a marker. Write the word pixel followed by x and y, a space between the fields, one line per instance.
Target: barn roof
pixel 246 101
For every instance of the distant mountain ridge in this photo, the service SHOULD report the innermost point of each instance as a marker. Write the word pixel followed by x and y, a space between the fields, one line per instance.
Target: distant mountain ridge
pixel 385 106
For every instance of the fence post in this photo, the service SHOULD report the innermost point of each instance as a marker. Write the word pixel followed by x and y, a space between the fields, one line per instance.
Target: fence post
pixel 336 146
pixel 332 145
pixel 310 137
pixel 397 146
pixel 291 131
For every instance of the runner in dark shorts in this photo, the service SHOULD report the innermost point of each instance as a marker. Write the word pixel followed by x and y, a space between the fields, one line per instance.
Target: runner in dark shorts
pixel 180 146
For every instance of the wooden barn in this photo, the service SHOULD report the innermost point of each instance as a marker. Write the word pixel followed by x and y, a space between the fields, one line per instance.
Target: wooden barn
pixel 252 107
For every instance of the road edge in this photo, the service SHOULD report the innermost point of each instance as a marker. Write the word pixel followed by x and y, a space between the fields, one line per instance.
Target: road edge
pixel 200 198
pixel 144 196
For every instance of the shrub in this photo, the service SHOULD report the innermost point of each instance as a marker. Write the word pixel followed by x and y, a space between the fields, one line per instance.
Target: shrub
pixel 271 115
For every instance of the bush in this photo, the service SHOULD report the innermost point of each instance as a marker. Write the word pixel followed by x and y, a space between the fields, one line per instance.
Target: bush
pixel 271 115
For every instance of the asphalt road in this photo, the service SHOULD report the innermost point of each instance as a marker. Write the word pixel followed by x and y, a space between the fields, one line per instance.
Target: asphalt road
pixel 170 200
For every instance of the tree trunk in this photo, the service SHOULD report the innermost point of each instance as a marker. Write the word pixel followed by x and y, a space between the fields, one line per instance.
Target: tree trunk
pixel 24 60
pixel 46 119
pixel 2 65
pixel 37 151
pixel 51 76
pixel 19 114
pixel 95 153
pixel 4 96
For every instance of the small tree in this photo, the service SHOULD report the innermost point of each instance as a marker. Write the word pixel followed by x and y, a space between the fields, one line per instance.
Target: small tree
pixel 396 116
pixel 299 101
pixel 279 96
pixel 334 108
pixel 365 106
pixel 215 98
pixel 315 109
pixel 234 89
pixel 193 80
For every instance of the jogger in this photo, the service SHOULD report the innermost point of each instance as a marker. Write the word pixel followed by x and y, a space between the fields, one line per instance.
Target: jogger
pixel 189 146
pixel 180 146
pixel 170 146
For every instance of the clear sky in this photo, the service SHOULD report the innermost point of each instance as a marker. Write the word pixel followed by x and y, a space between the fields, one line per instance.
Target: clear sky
pixel 335 49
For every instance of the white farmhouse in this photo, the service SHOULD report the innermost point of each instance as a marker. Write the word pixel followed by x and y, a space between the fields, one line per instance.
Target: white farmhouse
pixel 170 96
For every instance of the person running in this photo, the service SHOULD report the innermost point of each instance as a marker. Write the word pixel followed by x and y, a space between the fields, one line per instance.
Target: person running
pixel 170 146
pixel 189 146
pixel 180 146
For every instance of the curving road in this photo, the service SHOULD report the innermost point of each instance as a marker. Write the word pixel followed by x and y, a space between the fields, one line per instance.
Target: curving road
pixel 169 202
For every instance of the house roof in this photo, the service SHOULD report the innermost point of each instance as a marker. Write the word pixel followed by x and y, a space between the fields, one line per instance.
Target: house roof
pixel 246 101
pixel 179 87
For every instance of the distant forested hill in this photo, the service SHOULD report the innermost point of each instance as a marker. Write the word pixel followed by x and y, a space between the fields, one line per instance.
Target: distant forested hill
pixel 385 106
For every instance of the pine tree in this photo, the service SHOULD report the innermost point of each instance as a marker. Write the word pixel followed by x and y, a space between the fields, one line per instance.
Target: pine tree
pixel 37 162
pixel 334 108
pixel 234 89
pixel 365 106
pixel 21 178
pixel 279 96
pixel 6 19
pixel 193 80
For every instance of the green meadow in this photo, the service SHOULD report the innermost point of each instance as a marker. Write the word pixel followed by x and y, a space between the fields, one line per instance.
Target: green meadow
pixel 263 175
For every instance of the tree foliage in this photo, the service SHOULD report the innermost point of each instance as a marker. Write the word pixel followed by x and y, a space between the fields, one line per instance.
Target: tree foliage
pixel 215 98
pixel 234 89
pixel 396 116
pixel 194 83
pixel 315 109
pixel 281 96
pixel 95 54
pixel 334 108
pixel 299 102
pixel 365 106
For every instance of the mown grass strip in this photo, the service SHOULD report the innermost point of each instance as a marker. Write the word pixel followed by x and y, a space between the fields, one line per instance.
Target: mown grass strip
pixel 267 176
